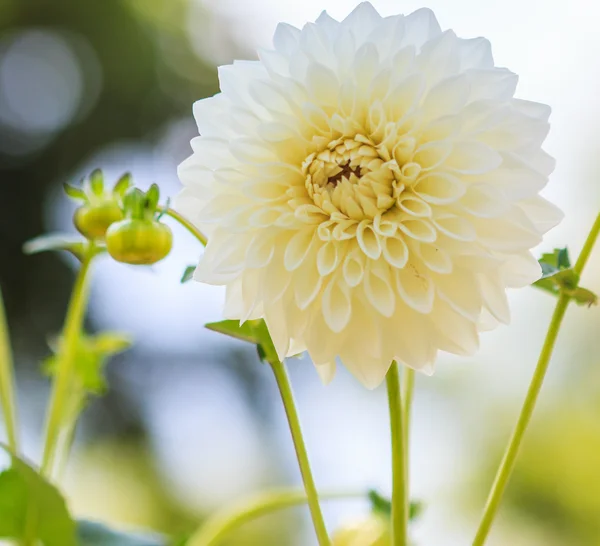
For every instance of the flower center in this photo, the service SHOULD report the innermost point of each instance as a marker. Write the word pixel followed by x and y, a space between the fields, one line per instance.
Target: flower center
pixel 349 177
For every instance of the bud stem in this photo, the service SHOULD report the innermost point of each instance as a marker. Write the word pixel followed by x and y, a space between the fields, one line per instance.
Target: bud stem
pixel 222 523
pixel 66 363
pixel 510 455
pixel 7 388
pixel 185 223
pixel 287 396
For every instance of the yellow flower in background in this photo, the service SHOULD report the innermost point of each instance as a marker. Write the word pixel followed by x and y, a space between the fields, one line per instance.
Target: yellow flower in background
pixel 371 531
pixel 370 188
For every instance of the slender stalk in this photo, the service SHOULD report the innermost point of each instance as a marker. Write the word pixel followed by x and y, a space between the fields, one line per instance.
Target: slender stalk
pixel 7 388
pixel 66 362
pixel 185 223
pixel 400 502
pixel 586 251
pixel 508 462
pixel 287 396
pixel 222 523
pixel 408 388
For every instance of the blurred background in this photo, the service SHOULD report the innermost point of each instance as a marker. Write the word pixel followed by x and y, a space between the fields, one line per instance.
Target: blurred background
pixel 192 421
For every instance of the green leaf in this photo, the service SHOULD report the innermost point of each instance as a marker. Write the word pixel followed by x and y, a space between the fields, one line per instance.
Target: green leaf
pixel 96 182
pixel 96 534
pixel 74 193
pixel 583 296
pixel 383 506
pixel 56 241
pixel 232 328
pixel 122 185
pixel 31 509
pixel 152 197
pixel 91 357
pixel 558 276
pixel 109 343
pixel 188 274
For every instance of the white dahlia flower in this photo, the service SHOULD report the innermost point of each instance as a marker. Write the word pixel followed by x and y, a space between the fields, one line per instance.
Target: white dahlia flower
pixel 370 188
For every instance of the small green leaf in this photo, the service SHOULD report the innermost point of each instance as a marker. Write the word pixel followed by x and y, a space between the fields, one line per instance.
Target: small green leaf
pixel 31 509
pixel 188 274
pixel 152 197
pixel 583 296
pixel 562 258
pixel 96 182
pixel 109 343
pixel 74 192
pixel 56 241
pixel 92 354
pixel 232 328
pixel 558 276
pixel 383 506
pixel 96 534
pixel 122 185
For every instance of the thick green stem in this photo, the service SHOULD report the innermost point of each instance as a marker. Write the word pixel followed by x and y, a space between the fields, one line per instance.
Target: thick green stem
pixel 185 223
pixel 7 384
pixel 408 389
pixel 508 461
pixel 285 388
pixel 217 527
pixel 66 363
pixel 400 501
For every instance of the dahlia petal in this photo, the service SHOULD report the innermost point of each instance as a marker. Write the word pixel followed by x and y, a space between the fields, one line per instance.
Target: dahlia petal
pixel 251 150
pixel 395 251
pixel 421 26
pixel 460 291
pixel 520 269
pixel 485 201
pixel 327 258
pixel 439 188
pixel 276 131
pixel 297 249
pixel 505 234
pixel 455 333
pixel 446 98
pixel 286 39
pixel 415 288
pixel 494 297
pixel 433 154
pixel 472 158
pixel 493 83
pixel 275 321
pixel 307 283
pixel 326 371
pixel 532 109
pixel 353 269
pixel 475 53
pixel 260 252
pixel 542 213
pixel 435 258
pixel 362 20
pixel 368 241
pixel 420 230
pixel 378 289
pixel 414 206
pixel 322 84
pixel 337 308
pixel 455 227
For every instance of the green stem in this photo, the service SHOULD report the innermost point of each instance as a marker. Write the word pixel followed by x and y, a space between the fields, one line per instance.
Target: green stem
pixel 185 223
pixel 586 251
pixel 7 388
pixel 508 462
pixel 285 388
pixel 215 529
pixel 399 490
pixel 408 388
pixel 66 362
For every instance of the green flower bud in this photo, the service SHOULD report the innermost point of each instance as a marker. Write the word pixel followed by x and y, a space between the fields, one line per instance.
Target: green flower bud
pixel 140 239
pixel 100 208
pixel 139 242
pixel 92 221
pixel 371 531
